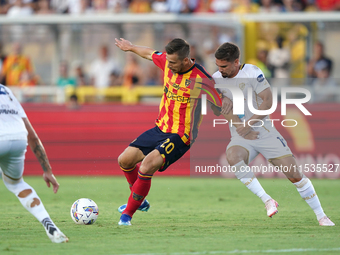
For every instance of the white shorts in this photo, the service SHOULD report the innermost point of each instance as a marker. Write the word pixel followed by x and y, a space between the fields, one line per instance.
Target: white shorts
pixel 271 145
pixel 12 157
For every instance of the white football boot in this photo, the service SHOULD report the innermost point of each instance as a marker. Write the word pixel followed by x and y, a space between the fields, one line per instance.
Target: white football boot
pixel 55 235
pixel 325 221
pixel 271 206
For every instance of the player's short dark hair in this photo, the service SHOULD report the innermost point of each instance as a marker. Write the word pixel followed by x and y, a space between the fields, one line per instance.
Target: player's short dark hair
pixel 227 52
pixel 178 46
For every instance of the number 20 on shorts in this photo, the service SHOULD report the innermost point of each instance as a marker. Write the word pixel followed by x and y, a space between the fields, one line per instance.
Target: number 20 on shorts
pixel 168 147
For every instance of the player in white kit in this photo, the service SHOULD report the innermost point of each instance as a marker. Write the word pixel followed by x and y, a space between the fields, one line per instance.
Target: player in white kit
pixel 270 143
pixel 15 132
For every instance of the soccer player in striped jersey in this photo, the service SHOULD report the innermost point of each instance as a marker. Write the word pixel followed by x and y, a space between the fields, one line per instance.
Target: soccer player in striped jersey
pixel 177 123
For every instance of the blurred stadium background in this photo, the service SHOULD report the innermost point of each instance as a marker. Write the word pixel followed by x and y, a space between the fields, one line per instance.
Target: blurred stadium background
pixel 51 52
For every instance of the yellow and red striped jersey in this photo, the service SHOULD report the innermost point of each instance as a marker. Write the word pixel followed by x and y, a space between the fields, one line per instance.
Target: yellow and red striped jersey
pixel 13 67
pixel 180 107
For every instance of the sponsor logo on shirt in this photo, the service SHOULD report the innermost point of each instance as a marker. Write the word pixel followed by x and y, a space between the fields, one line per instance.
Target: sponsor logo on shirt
pixel 173 96
pixel 8 111
pixel 177 86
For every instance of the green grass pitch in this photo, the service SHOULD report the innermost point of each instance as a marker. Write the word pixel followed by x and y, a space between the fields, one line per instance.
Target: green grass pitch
pixel 187 216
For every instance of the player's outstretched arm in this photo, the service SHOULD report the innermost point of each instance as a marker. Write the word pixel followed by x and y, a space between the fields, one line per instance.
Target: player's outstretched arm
pixel 39 151
pixel 125 45
pixel 216 109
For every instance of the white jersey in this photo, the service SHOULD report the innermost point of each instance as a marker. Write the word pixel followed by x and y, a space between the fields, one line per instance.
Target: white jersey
pixel 249 76
pixel 12 126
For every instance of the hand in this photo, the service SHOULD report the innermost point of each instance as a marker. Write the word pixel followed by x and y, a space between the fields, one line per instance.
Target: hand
pixel 216 109
pixel 227 105
pixel 243 131
pixel 252 135
pixel 123 44
pixel 49 178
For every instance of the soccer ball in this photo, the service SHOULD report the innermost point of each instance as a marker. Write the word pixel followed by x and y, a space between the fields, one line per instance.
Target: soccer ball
pixel 84 211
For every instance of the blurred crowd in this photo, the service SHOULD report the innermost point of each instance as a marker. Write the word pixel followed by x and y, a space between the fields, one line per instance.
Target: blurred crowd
pixel 277 66
pixel 16 69
pixel 104 71
pixel 21 8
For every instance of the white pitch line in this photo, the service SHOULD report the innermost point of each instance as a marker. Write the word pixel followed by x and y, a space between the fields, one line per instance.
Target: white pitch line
pixel 242 251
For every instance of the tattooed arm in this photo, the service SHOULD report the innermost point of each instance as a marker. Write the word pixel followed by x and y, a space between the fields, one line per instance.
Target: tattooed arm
pixel 39 151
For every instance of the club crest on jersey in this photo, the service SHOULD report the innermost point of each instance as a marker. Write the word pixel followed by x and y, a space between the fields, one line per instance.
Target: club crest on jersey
pixel 242 86
pixel 260 78
pixel 187 83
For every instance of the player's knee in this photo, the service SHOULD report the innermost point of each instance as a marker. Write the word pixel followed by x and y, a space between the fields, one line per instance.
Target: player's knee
pixel 147 169
pixel 23 191
pixel 10 180
pixel 12 185
pixel 234 156
pixel 124 161
pixel 294 176
pixel 294 180
pixel 151 166
pixel 120 160
pixel 233 159
pixel 152 162
pixel 230 160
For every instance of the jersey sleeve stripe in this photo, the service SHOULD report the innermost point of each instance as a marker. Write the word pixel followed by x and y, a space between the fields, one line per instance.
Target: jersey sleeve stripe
pixel 202 69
